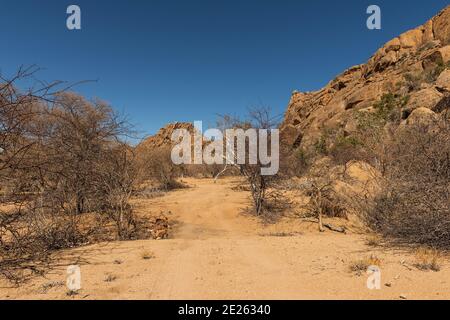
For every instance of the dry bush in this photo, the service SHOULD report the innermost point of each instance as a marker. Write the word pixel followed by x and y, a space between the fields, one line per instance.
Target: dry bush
pixel 29 235
pixel 115 179
pixel 375 130
pixel 79 136
pixel 413 206
pixel 346 149
pixel 268 203
pixel 294 162
pixel 373 241
pixel 22 239
pixel 324 201
pixel 157 165
pixel 65 175
pixel 415 80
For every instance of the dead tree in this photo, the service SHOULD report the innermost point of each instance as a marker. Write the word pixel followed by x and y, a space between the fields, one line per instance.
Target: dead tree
pixel 260 119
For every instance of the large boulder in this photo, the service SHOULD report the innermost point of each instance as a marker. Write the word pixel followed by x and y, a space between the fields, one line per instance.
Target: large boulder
pixel 290 136
pixel 441 26
pixel 421 116
pixel 411 39
pixel 443 82
pixel 445 54
pixel 425 98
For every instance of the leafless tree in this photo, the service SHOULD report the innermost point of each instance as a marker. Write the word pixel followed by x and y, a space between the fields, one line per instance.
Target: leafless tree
pixel 263 200
pixel 413 205
pixel 63 163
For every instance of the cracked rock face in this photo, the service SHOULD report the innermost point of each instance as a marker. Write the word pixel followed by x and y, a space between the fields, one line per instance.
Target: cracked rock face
pixel 413 65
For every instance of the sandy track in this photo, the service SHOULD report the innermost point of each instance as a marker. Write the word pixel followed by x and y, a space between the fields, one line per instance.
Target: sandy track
pixel 216 252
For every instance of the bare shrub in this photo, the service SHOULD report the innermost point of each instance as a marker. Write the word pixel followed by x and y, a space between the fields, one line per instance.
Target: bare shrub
pixel 413 206
pixel 157 165
pixel 373 241
pixel 433 74
pixel 29 235
pixel 115 179
pixel 346 149
pixel 324 200
pixel 63 165
pixel 414 81
pixel 267 202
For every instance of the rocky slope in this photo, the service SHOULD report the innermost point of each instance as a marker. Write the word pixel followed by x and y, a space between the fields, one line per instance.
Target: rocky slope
pixel 414 65
pixel 163 137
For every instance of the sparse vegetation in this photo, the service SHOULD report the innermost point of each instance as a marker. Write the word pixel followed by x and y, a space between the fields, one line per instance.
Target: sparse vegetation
pixel 345 149
pixel 50 285
pixel 360 266
pixel 433 74
pixel 324 201
pixel 427 259
pixel 412 207
pixel 110 278
pixel 65 173
pixel 281 234
pixel 157 165
pixel 267 201
pixel 321 145
pixel 414 80
pixel 373 241
pixel 389 107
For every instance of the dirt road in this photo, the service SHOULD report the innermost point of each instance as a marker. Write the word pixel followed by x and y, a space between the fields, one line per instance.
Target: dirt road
pixel 216 252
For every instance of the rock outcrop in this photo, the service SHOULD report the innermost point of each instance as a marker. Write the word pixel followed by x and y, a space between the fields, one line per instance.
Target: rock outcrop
pixel 164 136
pixel 413 65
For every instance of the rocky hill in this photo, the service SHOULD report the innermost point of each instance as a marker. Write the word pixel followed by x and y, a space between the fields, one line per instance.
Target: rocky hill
pixel 163 137
pixel 413 66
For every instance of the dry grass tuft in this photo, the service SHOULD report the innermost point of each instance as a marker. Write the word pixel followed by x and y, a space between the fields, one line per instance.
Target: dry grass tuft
pixel 360 266
pixel 427 260
pixel 71 293
pixel 373 241
pixel 110 278
pixel 50 285
pixel 281 234
pixel 147 255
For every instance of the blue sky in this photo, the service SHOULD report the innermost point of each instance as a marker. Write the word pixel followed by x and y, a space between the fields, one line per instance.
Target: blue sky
pixel 162 61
